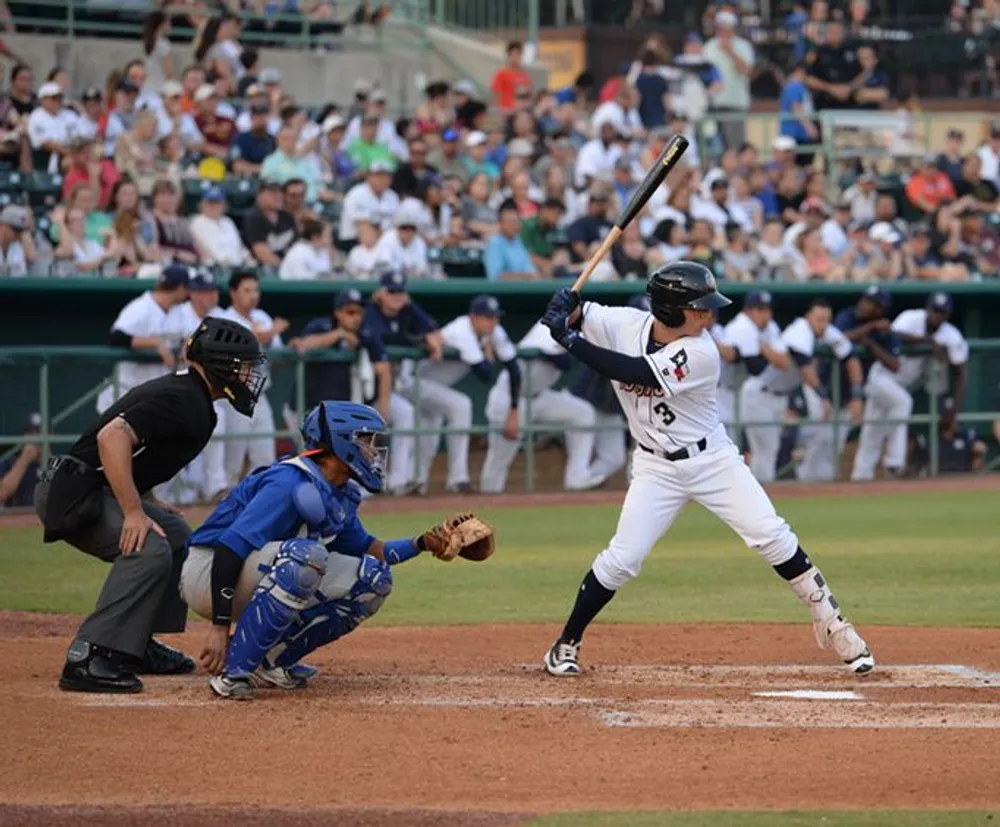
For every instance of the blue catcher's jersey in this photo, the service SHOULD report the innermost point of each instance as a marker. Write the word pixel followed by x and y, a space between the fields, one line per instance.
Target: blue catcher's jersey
pixel 261 509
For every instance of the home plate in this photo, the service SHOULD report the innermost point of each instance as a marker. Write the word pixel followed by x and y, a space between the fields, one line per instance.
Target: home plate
pixel 812 695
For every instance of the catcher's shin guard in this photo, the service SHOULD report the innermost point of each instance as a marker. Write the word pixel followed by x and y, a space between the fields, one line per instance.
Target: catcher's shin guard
pixel 329 621
pixel 295 575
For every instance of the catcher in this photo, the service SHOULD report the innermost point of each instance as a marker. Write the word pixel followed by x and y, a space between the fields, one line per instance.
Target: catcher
pixel 286 558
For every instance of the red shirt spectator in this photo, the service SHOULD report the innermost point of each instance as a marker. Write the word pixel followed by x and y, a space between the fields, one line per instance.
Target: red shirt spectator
pixel 512 77
pixel 929 186
pixel 219 132
pixel 84 168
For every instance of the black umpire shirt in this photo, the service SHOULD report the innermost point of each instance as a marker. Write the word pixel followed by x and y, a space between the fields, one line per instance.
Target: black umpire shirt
pixel 172 417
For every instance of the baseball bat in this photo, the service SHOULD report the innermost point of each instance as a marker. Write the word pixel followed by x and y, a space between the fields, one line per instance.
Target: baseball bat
pixel 661 169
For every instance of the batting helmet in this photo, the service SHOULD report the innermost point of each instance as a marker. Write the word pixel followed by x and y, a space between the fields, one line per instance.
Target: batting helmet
pixel 682 284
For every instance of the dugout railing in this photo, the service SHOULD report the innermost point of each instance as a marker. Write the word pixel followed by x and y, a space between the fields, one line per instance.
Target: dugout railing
pixel 54 436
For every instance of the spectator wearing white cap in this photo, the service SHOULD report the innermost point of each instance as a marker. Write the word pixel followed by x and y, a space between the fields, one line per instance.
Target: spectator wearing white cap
pixel 734 57
pixel 17 248
pixel 50 126
pixel 475 159
pixel 373 200
pixel 401 249
pixel 309 257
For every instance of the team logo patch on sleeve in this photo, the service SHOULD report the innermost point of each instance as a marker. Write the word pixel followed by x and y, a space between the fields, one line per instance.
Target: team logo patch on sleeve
pixel 680 368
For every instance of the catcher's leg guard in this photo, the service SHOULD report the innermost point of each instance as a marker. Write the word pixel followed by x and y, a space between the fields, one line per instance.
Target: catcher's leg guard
pixel 295 575
pixel 328 621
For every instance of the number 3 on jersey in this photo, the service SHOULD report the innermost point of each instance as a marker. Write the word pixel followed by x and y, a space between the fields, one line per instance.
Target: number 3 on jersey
pixel 663 411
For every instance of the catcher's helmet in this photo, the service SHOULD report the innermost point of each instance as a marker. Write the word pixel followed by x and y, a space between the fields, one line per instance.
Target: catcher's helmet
pixel 351 432
pixel 232 359
pixel 682 284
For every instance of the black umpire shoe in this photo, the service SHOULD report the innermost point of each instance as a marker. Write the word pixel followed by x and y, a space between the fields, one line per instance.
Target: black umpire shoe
pixel 160 659
pixel 90 669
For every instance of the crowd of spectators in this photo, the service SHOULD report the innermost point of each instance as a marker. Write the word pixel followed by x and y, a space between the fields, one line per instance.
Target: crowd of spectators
pixel 216 163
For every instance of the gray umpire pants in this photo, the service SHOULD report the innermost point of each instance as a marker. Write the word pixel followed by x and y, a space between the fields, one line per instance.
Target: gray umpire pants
pixel 140 596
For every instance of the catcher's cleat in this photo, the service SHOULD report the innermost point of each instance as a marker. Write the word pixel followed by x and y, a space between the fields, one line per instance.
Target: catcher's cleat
pixel 233 688
pixel 278 676
pixel 303 671
pixel 563 659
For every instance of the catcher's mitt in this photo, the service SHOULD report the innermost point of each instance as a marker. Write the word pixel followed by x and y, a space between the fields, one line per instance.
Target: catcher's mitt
pixel 461 535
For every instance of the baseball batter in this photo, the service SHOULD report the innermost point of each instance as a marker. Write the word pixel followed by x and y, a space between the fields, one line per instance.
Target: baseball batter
pixel 888 392
pixel 665 369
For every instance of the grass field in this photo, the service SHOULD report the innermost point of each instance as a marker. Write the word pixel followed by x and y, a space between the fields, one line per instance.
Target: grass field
pixel 926 559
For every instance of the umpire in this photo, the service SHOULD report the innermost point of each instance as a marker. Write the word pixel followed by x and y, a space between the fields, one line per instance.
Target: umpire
pixel 98 499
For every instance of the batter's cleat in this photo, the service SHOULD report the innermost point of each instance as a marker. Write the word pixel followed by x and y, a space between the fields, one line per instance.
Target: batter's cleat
pixel 278 676
pixel 89 669
pixel 233 688
pixel 160 659
pixel 563 659
pixel 840 637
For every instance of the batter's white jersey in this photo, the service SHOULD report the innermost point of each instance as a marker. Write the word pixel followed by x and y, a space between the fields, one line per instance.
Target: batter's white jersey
pixel 538 374
pixel 800 339
pixel 912 368
pixel 684 409
pixel 139 318
pixel 459 334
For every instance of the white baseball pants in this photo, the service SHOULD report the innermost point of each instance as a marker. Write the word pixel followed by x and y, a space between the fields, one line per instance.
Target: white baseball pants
pixel 609 446
pixel 760 406
pixel 439 405
pixel 255 438
pixel 820 463
pixel 885 399
pixel 547 408
pixel 402 416
pixel 719 480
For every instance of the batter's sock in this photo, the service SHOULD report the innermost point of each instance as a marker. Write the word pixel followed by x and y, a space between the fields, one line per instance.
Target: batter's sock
pixel 798 565
pixel 591 598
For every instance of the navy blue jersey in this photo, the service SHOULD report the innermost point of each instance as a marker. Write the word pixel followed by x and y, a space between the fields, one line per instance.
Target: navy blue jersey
pixel 406 329
pixel 332 380
pixel 845 321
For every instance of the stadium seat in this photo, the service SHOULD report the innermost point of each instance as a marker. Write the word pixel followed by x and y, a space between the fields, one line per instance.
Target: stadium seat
pixel 193 189
pixel 240 195
pixel 11 181
pixel 43 189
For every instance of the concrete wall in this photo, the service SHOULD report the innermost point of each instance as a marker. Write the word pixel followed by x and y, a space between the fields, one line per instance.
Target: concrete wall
pixel 398 63
pixel 478 59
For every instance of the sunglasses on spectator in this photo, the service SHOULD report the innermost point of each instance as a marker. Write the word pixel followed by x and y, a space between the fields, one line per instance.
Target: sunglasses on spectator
pixel 351 311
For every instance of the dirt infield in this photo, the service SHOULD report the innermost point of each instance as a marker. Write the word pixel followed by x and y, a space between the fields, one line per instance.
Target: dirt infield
pixel 449 503
pixel 458 726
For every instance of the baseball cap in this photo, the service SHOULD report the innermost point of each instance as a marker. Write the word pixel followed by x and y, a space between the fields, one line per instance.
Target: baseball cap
pixel 14 216
pixel 475 138
pixel 520 148
pixel 379 96
pixel 726 20
pixel 172 89
pixel 719 182
pixel 485 306
pixel 380 166
pixel 91 94
pixel 333 122
pixel 758 298
pixel 50 90
pixel 406 216
pixel 362 87
pixel 957 134
pixel 127 86
pixel 393 281
pixel 347 296
pixel 883 231
pixel 465 87
pixel 259 108
pixel 205 91
pixel 174 275
pixel 269 77
pixel 640 302
pixel 784 143
pixel 692 37
pixel 450 135
pixel 213 194
pixel 270 184
pixel 202 279
pixel 254 90
pixel 879 295
pixel 941 302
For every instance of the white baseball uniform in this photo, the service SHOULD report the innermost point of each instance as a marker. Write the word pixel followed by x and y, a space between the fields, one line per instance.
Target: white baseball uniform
pixel 140 318
pixel 680 415
pixel 546 406
pixel 728 382
pixel 205 475
pixel 439 402
pixel 815 435
pixel 259 448
pixel 888 396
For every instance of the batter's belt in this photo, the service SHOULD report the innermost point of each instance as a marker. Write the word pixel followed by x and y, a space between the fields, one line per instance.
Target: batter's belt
pixel 674 456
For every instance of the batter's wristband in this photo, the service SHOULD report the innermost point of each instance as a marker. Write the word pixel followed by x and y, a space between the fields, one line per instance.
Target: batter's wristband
pixel 857 392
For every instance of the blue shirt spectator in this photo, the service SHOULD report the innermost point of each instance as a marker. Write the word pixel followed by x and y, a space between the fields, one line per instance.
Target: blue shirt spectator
pixel 506 257
pixel 652 88
pixel 796 103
